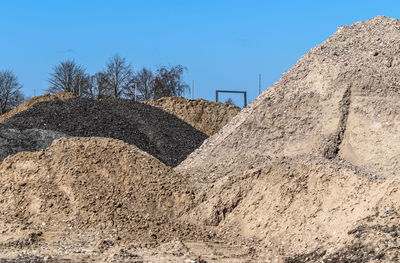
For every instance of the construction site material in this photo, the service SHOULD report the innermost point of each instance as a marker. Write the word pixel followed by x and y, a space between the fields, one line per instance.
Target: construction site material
pixel 90 192
pixel 319 144
pixel 306 173
pixel 206 116
pixel 152 130
pixel 13 141
pixel 34 100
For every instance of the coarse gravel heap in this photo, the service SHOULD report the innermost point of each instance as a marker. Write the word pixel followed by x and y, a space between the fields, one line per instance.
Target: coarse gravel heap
pixel 152 130
pixel 29 103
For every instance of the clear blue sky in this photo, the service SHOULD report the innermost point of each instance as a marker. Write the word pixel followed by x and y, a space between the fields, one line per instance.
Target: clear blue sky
pixel 224 44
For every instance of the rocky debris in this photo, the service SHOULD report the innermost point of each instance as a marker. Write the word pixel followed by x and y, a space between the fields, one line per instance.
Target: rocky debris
pixel 13 141
pixel 34 100
pixel 24 259
pixel 152 130
pixel 97 191
pixel 338 107
pixel 206 116
pixel 375 238
pixel 288 205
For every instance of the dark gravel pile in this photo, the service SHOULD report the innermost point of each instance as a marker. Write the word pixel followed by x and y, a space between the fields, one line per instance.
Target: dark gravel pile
pixel 152 130
pixel 13 140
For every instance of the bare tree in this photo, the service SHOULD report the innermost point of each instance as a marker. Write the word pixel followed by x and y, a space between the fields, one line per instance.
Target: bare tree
pixel 68 76
pixel 169 83
pixel 142 86
pixel 97 87
pixel 119 75
pixel 17 99
pixel 10 94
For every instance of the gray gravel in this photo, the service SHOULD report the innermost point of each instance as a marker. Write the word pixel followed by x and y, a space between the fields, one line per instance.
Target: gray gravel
pixel 13 141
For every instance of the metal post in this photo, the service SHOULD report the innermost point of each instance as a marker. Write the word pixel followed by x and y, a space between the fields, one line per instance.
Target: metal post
pixel 245 99
pixel 216 95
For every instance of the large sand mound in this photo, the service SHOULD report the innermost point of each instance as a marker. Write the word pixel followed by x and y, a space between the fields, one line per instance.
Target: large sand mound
pixel 89 190
pixel 152 130
pixel 340 100
pixel 332 120
pixel 29 103
pixel 206 116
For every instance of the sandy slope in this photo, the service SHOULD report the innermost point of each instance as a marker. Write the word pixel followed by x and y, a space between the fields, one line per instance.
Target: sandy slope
pixel 323 143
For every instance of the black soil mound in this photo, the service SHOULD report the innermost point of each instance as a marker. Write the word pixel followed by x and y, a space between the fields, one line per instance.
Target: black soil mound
pixel 13 140
pixel 152 130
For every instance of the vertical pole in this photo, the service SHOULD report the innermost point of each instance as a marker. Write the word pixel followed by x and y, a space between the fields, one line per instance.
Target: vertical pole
pixel 259 84
pixel 245 99
pixel 216 95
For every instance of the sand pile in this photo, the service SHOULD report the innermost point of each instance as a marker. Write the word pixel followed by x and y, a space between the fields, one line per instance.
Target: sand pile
pixel 34 100
pixel 337 101
pixel 96 191
pixel 206 116
pixel 152 130
pixel 318 144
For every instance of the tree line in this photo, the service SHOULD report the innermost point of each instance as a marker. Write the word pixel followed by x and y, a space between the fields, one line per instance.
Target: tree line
pixel 10 91
pixel 117 80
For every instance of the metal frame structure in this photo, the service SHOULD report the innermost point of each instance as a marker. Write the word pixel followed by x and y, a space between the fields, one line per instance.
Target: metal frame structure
pixel 232 91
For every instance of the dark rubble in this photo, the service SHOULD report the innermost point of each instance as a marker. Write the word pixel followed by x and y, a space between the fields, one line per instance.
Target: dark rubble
pixel 152 130
pixel 13 141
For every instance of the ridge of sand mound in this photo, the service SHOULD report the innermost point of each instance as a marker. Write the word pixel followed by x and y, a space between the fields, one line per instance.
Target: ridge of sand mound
pixel 337 101
pixel 26 105
pixel 338 104
pixel 100 188
pixel 153 130
pixel 206 116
